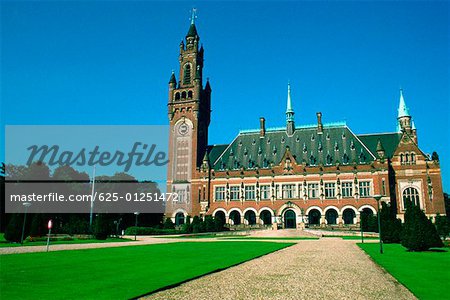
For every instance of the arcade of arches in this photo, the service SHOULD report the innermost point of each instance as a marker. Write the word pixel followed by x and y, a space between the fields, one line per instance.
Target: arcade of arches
pixel 289 217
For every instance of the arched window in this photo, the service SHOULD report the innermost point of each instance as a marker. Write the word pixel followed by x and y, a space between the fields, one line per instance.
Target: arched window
pixel 189 94
pixel 413 158
pixel 179 218
pixel 410 195
pixel 177 96
pixel 406 158
pixel 183 95
pixel 187 74
pixel 401 158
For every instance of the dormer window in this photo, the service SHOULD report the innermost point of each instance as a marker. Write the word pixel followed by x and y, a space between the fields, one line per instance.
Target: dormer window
pixel 329 159
pixel 345 159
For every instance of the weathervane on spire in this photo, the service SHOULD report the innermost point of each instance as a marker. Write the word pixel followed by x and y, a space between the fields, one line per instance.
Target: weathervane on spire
pixel 193 15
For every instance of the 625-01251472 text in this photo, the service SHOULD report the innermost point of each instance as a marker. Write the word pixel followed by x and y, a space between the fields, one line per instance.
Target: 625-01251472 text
pixel 97 196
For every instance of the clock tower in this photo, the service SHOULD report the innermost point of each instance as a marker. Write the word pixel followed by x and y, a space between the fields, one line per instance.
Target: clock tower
pixel 189 109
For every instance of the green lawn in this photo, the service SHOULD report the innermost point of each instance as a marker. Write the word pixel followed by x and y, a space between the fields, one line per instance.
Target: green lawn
pixel 426 274
pixel 118 273
pixel 4 243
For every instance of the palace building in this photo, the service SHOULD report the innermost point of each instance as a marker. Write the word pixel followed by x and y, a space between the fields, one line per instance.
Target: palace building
pixel 294 176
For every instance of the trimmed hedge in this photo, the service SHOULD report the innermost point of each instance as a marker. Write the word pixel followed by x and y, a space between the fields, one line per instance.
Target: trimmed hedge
pixel 149 231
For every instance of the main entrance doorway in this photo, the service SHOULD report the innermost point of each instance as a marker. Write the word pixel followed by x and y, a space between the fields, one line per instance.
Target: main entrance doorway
pixel 289 219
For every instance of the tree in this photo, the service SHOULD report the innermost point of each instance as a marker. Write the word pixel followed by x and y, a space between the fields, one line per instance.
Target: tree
pixel 442 226
pixel 391 227
pixel 447 206
pixel 218 223
pixel 210 226
pixel 419 233
pixel 13 232
pixel 37 225
pixel 196 224
pixel 168 224
pixel 435 156
pixel 187 227
pixel 101 229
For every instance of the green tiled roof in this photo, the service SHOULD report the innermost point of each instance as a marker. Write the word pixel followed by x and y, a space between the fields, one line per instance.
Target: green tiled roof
pixel 214 152
pixel 389 141
pixel 249 150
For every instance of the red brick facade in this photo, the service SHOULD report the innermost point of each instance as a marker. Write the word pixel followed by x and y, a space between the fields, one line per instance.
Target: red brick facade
pixel 322 175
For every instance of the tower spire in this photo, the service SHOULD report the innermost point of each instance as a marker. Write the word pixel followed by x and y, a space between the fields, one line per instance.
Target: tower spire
pixel 289 110
pixel 289 113
pixel 402 109
pixel 193 15
pixel 403 118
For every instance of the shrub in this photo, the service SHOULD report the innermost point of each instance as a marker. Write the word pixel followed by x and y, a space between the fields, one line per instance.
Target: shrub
pixel 187 227
pixel 101 228
pixel 209 225
pixel 391 227
pixel 369 222
pixel 196 224
pixel 76 225
pixel 168 224
pixel 419 233
pixel 442 226
pixel 13 232
pixel 37 225
pixel 149 231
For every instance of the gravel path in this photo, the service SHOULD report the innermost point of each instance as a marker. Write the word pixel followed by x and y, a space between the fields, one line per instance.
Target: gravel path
pixel 324 269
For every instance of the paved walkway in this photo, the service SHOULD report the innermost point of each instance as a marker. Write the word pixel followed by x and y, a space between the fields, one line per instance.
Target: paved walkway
pixel 58 247
pixel 328 268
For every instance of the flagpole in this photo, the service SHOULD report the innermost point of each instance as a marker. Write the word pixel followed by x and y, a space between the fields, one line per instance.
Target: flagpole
pixel 92 201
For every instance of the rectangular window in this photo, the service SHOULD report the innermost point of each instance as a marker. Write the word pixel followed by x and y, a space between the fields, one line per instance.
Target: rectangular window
pixel 288 191
pixel 265 192
pixel 249 192
pixel 313 190
pixel 364 188
pixel 220 193
pixel 234 192
pixel 330 188
pixel 347 189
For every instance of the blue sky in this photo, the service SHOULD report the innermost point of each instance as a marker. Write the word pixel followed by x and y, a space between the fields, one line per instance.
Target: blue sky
pixel 109 63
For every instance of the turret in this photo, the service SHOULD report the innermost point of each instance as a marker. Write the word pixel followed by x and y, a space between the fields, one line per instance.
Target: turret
pixel 380 149
pixel 290 125
pixel 404 118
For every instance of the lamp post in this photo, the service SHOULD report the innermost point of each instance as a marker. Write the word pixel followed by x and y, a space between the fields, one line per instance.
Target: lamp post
pixel 361 226
pixel 135 224
pixel 378 198
pixel 26 204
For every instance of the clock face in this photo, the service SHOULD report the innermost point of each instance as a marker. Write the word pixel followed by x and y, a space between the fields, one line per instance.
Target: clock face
pixel 183 129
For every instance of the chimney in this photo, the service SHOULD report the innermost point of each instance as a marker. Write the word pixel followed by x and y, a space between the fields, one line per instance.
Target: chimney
pixel 319 123
pixel 262 127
